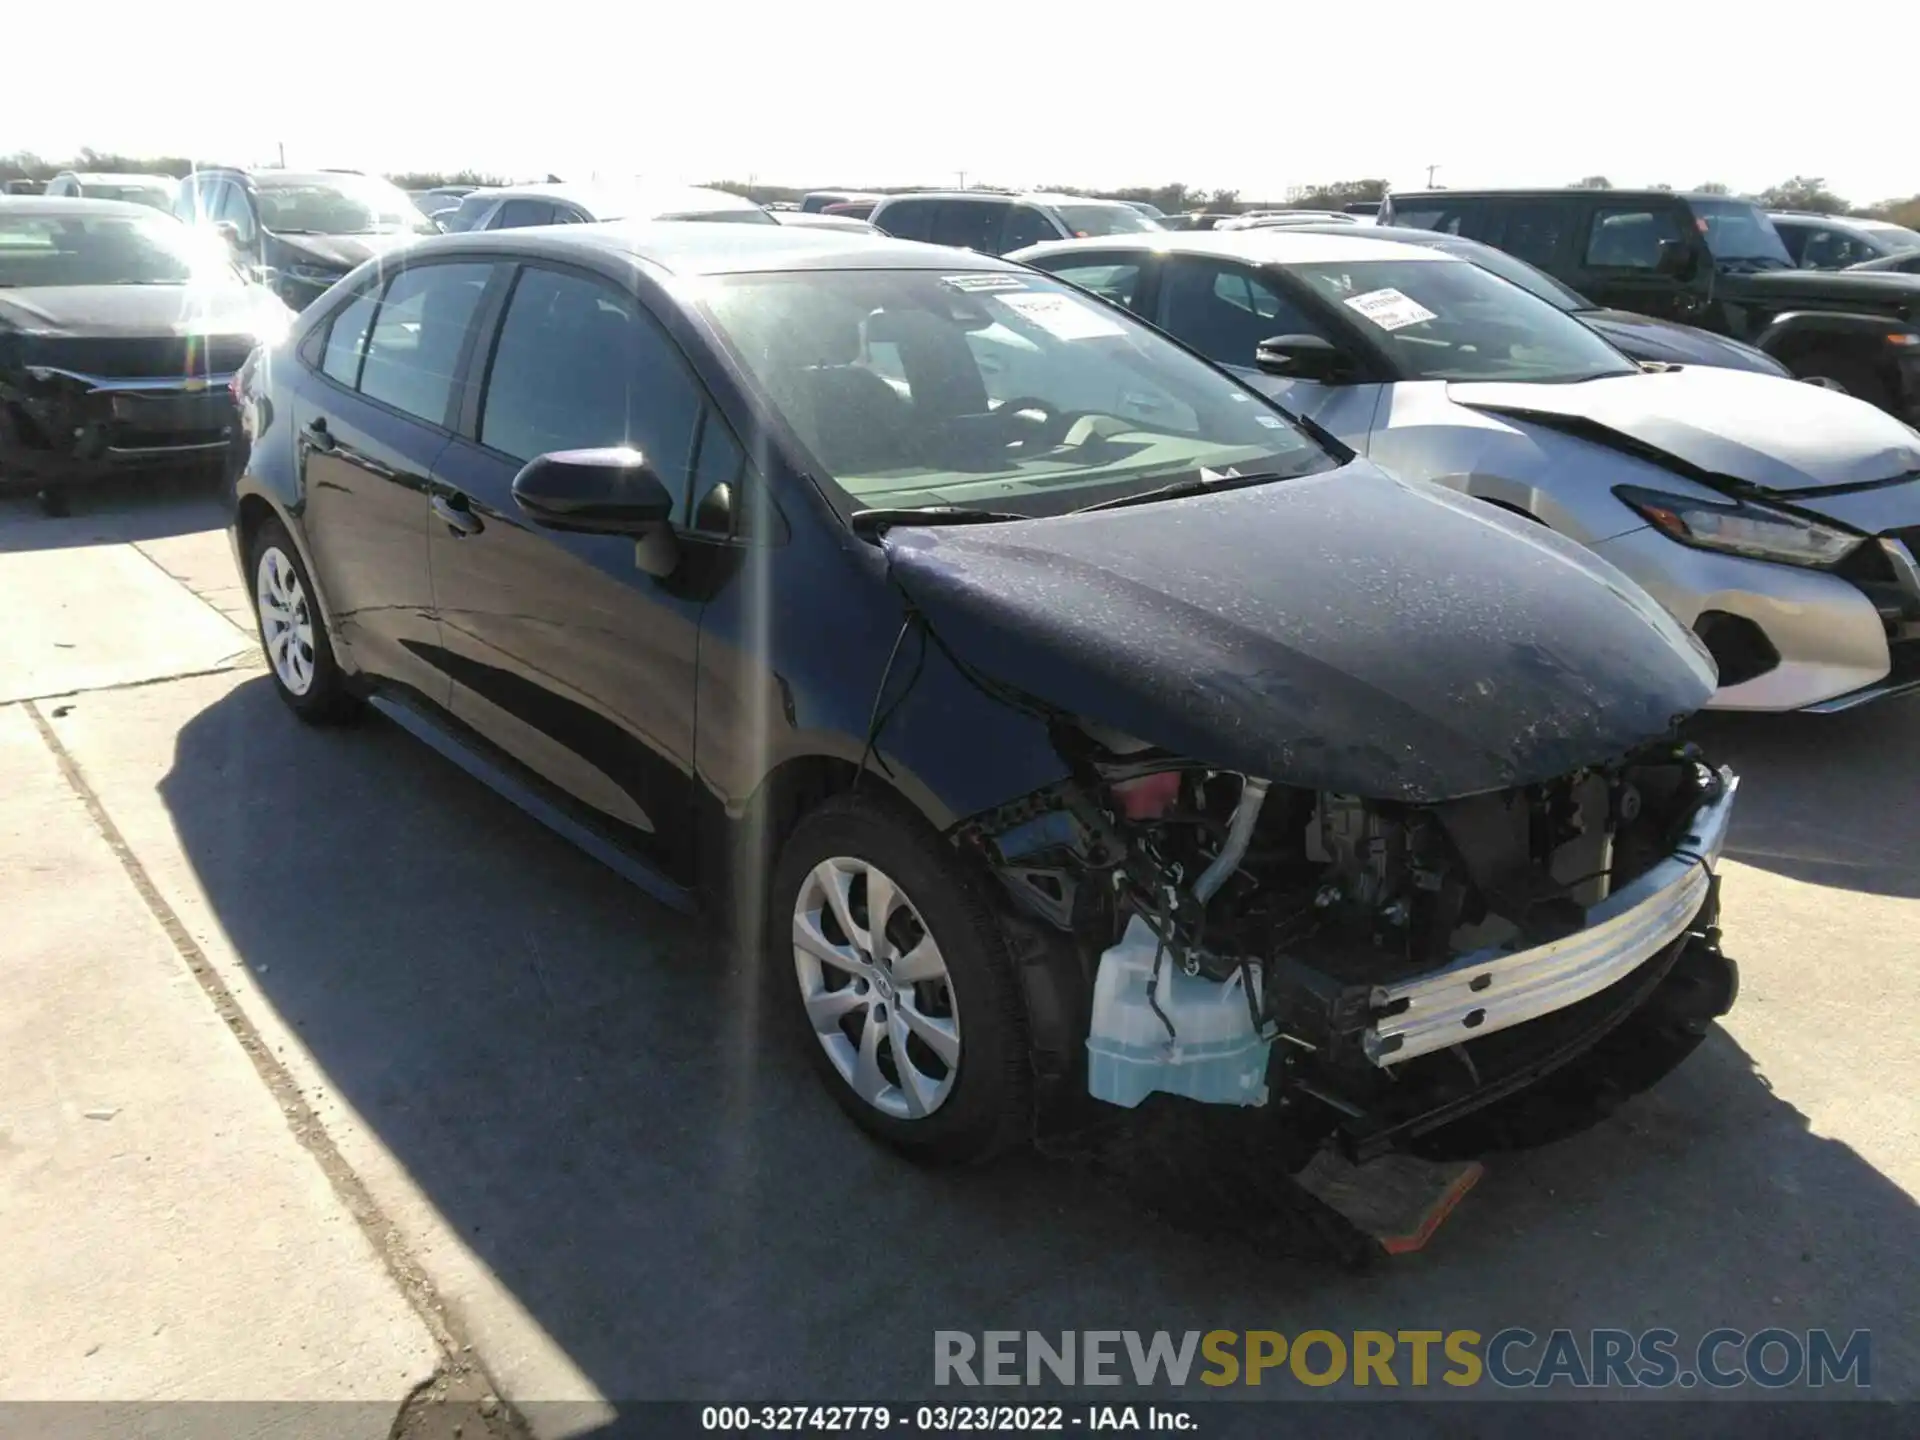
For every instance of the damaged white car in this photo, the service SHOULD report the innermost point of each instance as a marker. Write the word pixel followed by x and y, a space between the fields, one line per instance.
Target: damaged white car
pixel 1779 521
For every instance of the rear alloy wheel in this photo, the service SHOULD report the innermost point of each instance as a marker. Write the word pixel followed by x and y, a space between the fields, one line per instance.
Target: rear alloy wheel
pixel 905 986
pixel 294 634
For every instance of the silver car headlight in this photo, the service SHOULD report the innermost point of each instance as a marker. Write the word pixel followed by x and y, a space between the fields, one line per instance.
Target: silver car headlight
pixel 1742 528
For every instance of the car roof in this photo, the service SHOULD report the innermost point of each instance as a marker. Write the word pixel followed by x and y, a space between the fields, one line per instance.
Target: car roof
pixel 1398 234
pixel 689 247
pixel 269 175
pixel 1277 245
pixel 1038 197
pixel 71 205
pixel 116 177
pixel 618 201
pixel 1552 191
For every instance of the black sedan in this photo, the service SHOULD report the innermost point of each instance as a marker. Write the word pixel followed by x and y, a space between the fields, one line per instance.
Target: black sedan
pixel 1639 337
pixel 1032 691
pixel 120 331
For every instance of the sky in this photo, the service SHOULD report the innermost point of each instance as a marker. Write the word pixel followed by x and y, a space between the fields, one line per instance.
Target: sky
pixel 1255 97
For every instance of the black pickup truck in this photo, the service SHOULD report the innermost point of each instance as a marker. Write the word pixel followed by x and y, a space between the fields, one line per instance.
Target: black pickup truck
pixel 1708 260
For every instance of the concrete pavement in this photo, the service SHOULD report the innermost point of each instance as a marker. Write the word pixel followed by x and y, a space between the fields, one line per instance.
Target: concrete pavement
pixel 167 1236
pixel 587 1156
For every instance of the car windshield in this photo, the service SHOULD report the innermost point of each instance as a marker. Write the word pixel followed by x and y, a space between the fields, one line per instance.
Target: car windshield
pixel 1085 220
pixel 1737 231
pixel 337 205
pixel 1517 272
pixel 991 390
pixel 1447 320
pixel 94 249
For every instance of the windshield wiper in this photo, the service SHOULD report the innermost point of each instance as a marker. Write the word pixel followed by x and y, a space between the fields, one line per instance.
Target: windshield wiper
pixel 871 522
pixel 1205 483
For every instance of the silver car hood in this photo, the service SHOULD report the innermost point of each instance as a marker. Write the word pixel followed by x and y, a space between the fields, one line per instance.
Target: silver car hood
pixel 1778 436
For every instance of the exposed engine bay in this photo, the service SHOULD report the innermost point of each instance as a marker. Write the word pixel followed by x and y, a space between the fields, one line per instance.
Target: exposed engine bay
pixel 1227 923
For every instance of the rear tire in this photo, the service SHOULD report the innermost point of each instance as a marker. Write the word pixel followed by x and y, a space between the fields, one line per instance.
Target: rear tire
pixel 941 988
pixel 293 631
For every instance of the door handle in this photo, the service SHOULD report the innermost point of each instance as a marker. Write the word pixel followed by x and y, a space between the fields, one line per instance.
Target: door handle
pixel 318 435
pixel 457 518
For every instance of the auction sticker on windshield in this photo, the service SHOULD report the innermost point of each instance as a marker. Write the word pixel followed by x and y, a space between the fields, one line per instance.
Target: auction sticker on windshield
pixel 1061 316
pixel 973 283
pixel 1389 309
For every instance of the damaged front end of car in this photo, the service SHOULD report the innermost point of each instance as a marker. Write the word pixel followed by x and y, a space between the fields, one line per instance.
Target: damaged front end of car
pixel 1399 964
pixel 1408 827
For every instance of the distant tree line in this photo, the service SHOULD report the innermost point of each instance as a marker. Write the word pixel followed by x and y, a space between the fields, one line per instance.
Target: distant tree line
pixel 1801 192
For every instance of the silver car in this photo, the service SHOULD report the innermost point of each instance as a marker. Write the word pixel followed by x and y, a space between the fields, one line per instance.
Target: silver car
pixel 1780 521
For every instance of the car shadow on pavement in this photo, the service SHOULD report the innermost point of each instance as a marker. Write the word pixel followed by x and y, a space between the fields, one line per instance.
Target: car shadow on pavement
pixel 1826 799
pixel 596 1109
pixel 121 510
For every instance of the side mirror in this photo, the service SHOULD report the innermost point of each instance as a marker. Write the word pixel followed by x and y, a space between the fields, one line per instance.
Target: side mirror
pixel 1303 357
pixel 229 234
pixel 602 492
pixel 1676 260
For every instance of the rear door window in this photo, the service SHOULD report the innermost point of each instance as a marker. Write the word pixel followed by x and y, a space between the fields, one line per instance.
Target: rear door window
pixel 1026 225
pixel 1531 229
pixel 519 214
pixel 970 224
pixel 414 348
pixel 347 339
pixel 1117 281
pixel 908 219
pixel 1627 237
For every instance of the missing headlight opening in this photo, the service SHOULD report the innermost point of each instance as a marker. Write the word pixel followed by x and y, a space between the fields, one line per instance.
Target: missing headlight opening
pixel 1400 964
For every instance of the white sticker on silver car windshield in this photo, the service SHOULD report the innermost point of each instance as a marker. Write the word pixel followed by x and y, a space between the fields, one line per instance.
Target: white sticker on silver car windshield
pixel 1389 309
pixel 1272 422
pixel 987 281
pixel 1061 316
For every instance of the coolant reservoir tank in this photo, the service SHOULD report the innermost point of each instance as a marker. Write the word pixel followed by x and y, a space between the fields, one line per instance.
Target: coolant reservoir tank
pixel 1214 1055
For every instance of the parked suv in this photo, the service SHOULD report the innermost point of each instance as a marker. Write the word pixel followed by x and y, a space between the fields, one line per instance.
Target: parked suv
pixel 994 222
pixel 1707 260
pixel 1833 242
pixel 299 231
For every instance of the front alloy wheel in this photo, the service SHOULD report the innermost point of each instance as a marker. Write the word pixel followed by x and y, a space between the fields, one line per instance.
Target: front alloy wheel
pixel 892 937
pixel 876 988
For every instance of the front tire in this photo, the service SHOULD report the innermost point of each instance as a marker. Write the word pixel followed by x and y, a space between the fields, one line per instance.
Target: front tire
pixel 293 632
pixel 899 976
pixel 1849 374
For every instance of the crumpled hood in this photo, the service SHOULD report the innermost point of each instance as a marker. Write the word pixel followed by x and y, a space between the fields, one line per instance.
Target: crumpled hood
pixel 1347 632
pixel 1777 435
pixel 338 252
pixel 119 310
pixel 1645 338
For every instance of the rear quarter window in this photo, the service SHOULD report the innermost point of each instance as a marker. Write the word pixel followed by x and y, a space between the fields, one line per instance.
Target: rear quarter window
pixel 906 219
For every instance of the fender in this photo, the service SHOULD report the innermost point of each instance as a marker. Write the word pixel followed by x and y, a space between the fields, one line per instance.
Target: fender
pixel 1792 326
